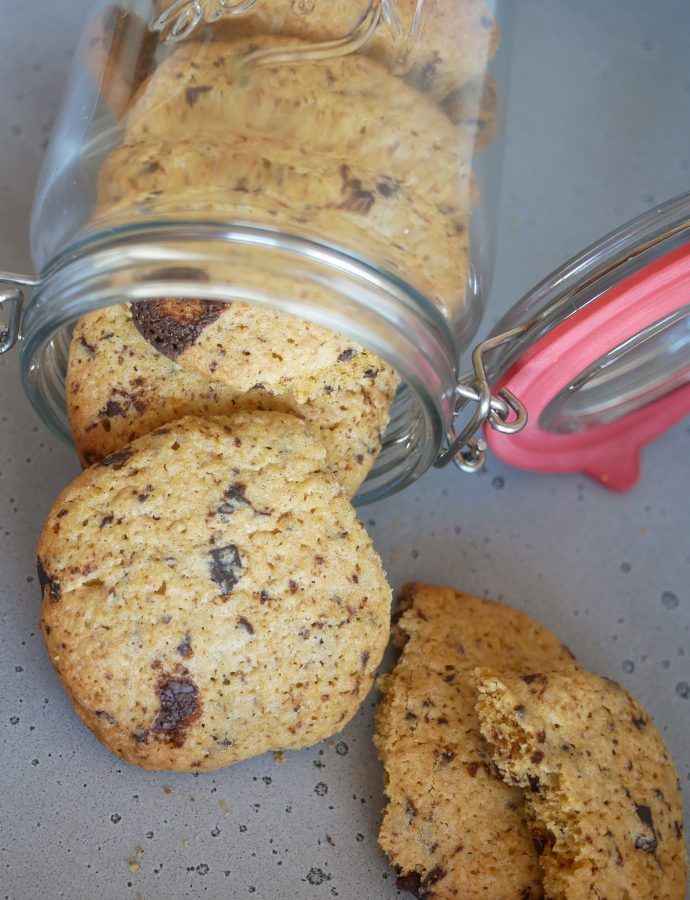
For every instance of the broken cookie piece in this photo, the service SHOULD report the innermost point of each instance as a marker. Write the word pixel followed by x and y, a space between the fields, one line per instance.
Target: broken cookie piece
pixel 601 790
pixel 452 828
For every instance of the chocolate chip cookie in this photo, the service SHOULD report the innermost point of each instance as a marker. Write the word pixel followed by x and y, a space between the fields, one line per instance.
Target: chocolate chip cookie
pixel 119 388
pixel 601 790
pixel 209 595
pixel 451 827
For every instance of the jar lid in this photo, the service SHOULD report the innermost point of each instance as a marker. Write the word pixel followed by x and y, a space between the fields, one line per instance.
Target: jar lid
pixel 601 360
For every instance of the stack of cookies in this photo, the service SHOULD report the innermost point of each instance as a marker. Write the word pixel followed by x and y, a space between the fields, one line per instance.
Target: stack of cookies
pixel 208 592
pixel 282 117
pixel 512 772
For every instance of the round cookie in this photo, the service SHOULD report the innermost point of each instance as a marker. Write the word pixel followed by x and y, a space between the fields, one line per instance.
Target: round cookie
pixel 459 39
pixel 119 388
pixel 371 214
pixel 450 824
pixel 350 108
pixel 601 790
pixel 209 595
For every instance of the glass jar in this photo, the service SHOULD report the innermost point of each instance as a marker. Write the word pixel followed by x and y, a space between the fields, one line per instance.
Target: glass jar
pixel 334 161
pixel 338 163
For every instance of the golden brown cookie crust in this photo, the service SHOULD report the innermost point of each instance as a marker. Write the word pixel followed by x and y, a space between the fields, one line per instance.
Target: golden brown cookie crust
pixel 350 107
pixel 451 824
pixel 119 388
pixel 209 595
pixel 601 788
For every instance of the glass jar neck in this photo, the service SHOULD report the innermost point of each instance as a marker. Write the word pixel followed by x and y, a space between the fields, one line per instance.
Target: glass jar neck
pixel 227 261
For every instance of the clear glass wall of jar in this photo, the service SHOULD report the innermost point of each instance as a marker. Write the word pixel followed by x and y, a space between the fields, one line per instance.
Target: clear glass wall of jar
pixel 336 161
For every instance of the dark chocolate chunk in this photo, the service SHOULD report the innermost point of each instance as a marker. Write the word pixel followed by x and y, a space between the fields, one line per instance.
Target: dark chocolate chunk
pixel 364 657
pixel 535 677
pixel 234 496
pixel 179 708
pixel 90 349
pixel 534 783
pixel 388 186
pixel 411 882
pixel 46 580
pixel 537 757
pixel 644 814
pixel 116 460
pixel 225 567
pixel 112 408
pixel 172 325
pixel 347 354
pixel 106 716
pixel 106 520
pixel 639 723
pixel 472 769
pixel 428 76
pixel 246 624
pixel 357 199
pixel 446 757
pixel 192 94
pixel 644 842
pixel 184 648
pixel 436 874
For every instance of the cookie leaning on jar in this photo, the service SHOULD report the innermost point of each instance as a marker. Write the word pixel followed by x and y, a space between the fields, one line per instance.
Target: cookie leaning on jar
pixel 120 387
pixel 208 594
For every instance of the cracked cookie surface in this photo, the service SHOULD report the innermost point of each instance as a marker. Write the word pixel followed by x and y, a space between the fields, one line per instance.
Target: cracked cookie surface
pixel 209 595
pixel 601 790
pixel 452 828
pixel 119 387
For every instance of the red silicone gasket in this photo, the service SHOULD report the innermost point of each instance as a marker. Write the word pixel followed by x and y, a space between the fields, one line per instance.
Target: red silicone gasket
pixel 608 453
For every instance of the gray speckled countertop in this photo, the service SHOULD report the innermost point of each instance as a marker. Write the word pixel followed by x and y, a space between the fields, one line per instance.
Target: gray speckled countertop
pixel 598 130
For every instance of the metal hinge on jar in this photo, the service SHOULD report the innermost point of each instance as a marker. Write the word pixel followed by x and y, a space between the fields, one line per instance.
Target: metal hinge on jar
pixel 11 301
pixel 502 411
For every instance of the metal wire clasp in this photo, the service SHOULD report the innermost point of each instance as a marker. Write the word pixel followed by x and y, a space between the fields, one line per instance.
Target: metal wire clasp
pixel 504 412
pixel 12 291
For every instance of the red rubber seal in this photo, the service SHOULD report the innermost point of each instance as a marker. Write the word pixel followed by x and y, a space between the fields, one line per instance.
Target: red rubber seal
pixel 608 453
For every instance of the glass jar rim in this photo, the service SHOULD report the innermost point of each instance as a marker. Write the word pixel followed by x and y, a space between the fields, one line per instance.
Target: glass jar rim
pixel 156 258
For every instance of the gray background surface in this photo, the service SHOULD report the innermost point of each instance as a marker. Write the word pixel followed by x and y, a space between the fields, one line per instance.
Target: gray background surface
pixel 598 129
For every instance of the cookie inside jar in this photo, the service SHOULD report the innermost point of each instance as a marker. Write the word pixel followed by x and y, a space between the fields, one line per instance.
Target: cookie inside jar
pixel 282 196
pixel 350 123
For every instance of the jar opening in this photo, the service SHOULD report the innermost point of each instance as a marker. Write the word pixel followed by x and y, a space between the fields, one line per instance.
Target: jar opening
pixel 291 274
